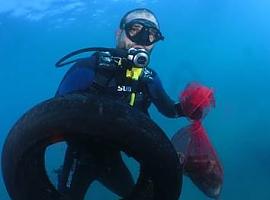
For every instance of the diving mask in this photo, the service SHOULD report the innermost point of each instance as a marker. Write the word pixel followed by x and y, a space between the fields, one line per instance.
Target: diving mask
pixel 143 32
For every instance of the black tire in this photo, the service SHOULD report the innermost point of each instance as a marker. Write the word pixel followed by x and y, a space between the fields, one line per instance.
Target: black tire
pixel 87 117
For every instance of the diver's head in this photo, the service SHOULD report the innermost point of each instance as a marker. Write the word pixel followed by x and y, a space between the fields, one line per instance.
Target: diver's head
pixel 139 28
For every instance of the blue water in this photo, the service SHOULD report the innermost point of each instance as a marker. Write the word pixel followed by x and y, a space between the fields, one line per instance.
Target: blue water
pixel 222 44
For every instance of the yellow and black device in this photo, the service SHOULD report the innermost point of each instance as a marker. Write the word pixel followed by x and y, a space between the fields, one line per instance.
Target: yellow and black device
pixel 134 74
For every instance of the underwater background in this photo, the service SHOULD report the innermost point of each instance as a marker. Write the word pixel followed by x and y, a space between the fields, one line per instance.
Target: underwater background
pixel 222 44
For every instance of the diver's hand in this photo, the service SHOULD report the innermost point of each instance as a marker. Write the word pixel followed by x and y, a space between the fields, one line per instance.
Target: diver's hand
pixel 197 114
pixel 105 60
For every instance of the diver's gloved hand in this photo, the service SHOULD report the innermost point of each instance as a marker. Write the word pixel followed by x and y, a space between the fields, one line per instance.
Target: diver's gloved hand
pixel 105 60
pixel 197 114
pixel 109 62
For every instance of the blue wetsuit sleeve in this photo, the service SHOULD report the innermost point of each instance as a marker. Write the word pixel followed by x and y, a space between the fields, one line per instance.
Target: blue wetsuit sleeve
pixel 78 78
pixel 161 100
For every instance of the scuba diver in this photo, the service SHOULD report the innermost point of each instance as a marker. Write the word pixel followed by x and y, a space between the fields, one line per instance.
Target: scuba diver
pixel 139 87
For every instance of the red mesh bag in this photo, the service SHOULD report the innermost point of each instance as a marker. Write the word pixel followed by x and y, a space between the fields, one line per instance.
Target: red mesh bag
pixel 196 97
pixel 199 159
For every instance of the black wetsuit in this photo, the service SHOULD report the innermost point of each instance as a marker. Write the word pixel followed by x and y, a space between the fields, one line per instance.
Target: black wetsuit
pixel 89 163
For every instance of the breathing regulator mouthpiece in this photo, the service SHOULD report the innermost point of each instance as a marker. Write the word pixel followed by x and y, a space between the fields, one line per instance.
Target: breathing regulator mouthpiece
pixel 139 57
